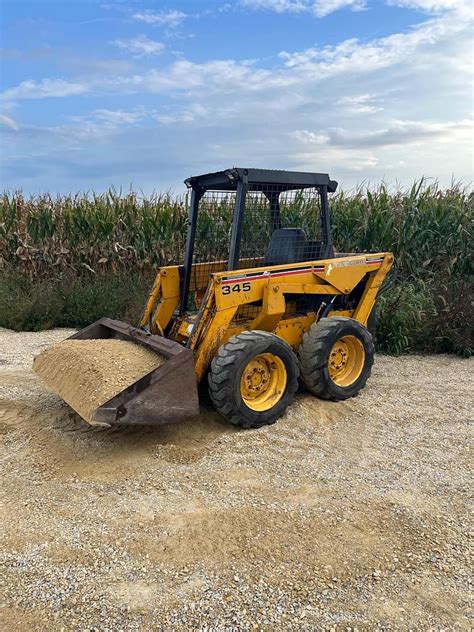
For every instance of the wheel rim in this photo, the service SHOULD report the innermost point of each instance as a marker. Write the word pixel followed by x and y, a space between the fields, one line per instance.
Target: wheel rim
pixel 346 361
pixel 263 382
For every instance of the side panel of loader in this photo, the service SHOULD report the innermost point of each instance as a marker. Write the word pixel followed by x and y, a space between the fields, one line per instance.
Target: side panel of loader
pixel 257 299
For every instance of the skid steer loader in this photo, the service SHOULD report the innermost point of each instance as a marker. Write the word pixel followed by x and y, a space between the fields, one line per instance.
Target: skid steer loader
pixel 260 301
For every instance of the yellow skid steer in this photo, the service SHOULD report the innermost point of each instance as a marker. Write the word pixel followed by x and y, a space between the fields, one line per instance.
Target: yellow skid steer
pixel 260 302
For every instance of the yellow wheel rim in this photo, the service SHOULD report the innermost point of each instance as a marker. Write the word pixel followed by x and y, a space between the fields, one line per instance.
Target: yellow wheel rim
pixel 263 382
pixel 346 361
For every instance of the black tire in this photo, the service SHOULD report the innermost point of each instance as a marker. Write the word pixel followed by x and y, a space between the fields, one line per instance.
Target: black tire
pixel 226 371
pixel 314 359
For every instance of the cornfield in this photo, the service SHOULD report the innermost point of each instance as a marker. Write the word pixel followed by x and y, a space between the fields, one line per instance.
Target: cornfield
pixel 63 258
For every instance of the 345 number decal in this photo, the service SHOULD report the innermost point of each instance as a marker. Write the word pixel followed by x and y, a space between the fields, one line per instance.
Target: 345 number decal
pixel 237 287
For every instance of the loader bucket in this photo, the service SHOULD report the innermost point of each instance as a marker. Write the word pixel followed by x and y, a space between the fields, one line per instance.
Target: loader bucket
pixel 112 373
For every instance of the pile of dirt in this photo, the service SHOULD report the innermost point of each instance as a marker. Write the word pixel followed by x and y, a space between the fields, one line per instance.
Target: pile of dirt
pixel 87 373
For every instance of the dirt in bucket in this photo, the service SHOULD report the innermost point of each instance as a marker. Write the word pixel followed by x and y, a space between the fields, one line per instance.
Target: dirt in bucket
pixel 87 373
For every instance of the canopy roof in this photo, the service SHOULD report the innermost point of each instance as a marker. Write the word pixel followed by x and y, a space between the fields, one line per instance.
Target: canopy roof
pixel 260 179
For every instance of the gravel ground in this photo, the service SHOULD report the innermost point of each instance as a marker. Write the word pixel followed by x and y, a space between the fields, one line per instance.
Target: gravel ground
pixel 342 516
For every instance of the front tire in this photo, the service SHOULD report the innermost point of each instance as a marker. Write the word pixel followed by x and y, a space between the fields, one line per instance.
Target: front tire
pixel 336 358
pixel 253 379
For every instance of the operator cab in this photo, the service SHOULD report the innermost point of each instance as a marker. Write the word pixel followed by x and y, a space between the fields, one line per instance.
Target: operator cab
pixel 248 218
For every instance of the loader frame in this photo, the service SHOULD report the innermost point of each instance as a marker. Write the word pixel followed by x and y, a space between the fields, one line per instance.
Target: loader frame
pixel 330 280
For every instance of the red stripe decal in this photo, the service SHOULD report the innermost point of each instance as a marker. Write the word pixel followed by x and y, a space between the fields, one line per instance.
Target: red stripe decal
pixel 274 275
pixel 269 276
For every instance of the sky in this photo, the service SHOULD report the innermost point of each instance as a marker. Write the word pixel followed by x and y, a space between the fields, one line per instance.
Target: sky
pixel 143 93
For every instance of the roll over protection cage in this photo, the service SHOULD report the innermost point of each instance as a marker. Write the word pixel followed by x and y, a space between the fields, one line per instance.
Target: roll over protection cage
pixel 271 183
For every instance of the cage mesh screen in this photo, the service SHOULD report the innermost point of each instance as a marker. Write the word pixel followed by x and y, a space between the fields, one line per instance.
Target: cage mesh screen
pixel 214 223
pixel 268 209
pixel 213 230
pixel 301 209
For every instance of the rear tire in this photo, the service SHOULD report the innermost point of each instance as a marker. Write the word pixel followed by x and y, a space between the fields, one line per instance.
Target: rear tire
pixel 336 358
pixel 253 379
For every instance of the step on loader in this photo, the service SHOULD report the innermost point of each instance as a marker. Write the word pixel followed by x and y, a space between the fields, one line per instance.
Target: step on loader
pixel 260 302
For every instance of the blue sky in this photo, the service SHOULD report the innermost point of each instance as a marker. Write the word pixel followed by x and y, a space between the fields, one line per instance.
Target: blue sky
pixel 145 93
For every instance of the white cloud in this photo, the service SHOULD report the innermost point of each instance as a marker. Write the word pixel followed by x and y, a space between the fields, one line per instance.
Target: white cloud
pixel 118 117
pixel 407 133
pixel 321 8
pixel 140 46
pixel 202 115
pixel 191 114
pixel 160 18
pixel 354 56
pixel 361 104
pixel 462 7
pixel 100 125
pixel 7 121
pixel 302 70
pixel 396 133
pixel 376 152
pixel 308 147
pixel 325 7
pixel 189 78
pixel 280 6
pixel 318 8
pixel 45 89
pixel 310 138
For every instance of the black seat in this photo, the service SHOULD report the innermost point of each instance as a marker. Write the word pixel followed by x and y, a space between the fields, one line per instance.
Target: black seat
pixel 287 245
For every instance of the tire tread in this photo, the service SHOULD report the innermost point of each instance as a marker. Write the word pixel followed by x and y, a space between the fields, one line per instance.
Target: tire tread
pixel 315 348
pixel 221 378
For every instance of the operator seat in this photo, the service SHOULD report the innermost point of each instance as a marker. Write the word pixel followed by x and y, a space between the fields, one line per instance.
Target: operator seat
pixel 287 245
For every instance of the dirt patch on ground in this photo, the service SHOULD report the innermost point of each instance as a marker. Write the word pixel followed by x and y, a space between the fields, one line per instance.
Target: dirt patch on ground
pixel 341 515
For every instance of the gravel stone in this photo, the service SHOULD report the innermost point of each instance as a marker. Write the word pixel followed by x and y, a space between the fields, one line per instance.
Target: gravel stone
pixel 341 516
